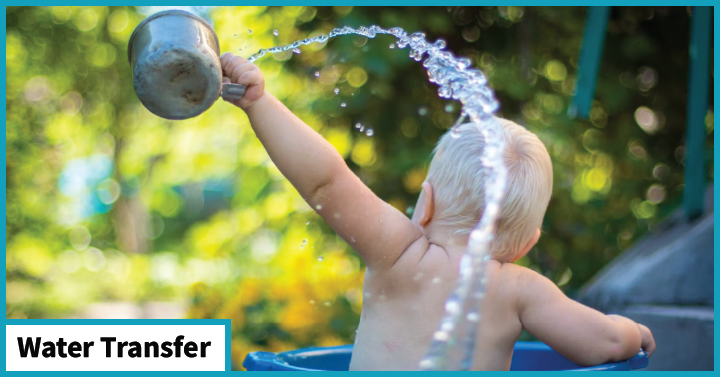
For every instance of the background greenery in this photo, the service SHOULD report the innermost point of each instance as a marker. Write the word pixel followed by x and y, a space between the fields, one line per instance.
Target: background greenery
pixel 109 203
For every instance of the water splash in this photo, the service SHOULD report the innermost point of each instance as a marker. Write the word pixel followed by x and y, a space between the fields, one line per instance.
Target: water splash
pixel 458 81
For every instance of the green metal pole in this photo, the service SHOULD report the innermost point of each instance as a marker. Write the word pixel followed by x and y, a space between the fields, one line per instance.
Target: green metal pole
pixel 694 191
pixel 589 61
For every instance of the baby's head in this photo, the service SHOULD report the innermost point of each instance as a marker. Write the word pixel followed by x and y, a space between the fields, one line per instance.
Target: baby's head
pixel 456 184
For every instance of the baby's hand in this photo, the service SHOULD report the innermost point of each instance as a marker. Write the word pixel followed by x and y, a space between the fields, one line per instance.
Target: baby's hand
pixel 647 342
pixel 238 70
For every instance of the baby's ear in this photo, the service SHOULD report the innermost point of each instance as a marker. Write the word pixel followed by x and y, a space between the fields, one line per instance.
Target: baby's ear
pixel 533 240
pixel 429 204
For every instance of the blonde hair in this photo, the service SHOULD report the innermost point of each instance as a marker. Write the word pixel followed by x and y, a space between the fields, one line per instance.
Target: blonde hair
pixel 458 183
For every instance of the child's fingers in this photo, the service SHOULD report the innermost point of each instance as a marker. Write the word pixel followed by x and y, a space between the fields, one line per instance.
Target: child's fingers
pixel 231 62
pixel 224 58
pixel 241 69
pixel 249 77
pixel 225 62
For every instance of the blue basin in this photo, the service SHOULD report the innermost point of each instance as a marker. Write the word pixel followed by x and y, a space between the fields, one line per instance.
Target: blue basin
pixel 528 356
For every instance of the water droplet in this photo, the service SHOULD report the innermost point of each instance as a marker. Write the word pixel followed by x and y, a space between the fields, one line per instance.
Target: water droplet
pixel 296 50
pixel 369 132
pixel 441 336
pixel 327 303
pixel 427 364
pixel 392 46
pixel 455 132
pixel 320 258
pixel 336 91
pixel 312 301
pixel 452 307
pixel 436 280
pixel 449 108
pixel 318 207
pixel 473 317
pixel 352 239
pixel 249 31
pixel 275 33
pixel 358 125
pixel 343 104
pixel 409 210
pixel 307 223
pixel 422 111
pixel 317 73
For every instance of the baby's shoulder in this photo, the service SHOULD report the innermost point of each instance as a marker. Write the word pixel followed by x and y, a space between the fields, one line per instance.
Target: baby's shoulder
pixel 512 278
pixel 522 283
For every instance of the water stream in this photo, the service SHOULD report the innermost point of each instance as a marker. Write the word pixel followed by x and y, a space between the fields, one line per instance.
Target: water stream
pixel 453 343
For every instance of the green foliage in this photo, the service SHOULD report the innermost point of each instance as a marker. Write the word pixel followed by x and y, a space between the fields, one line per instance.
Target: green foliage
pixel 194 210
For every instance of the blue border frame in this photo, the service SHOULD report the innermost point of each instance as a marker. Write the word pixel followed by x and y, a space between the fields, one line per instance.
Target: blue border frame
pixel 715 170
pixel 316 3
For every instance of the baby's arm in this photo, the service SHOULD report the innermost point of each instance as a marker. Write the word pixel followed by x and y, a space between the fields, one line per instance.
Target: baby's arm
pixel 583 335
pixel 376 230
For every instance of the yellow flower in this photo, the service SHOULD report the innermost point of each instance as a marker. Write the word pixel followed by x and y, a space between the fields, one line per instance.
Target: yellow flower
pixel 299 315
pixel 250 291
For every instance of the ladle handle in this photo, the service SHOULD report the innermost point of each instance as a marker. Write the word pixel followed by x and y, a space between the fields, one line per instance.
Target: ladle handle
pixel 232 91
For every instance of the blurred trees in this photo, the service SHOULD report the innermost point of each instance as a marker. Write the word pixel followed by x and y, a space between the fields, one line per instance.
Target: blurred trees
pixel 106 202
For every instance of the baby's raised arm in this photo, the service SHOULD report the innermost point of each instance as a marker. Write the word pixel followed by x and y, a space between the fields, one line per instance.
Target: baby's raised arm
pixel 581 334
pixel 376 230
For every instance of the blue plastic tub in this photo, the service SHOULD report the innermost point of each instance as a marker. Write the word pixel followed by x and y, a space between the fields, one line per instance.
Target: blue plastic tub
pixel 528 356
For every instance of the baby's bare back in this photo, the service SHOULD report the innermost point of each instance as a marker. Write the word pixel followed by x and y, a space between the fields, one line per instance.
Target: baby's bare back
pixel 403 306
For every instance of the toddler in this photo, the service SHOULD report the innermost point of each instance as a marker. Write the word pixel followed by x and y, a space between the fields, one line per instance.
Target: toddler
pixel 412 264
